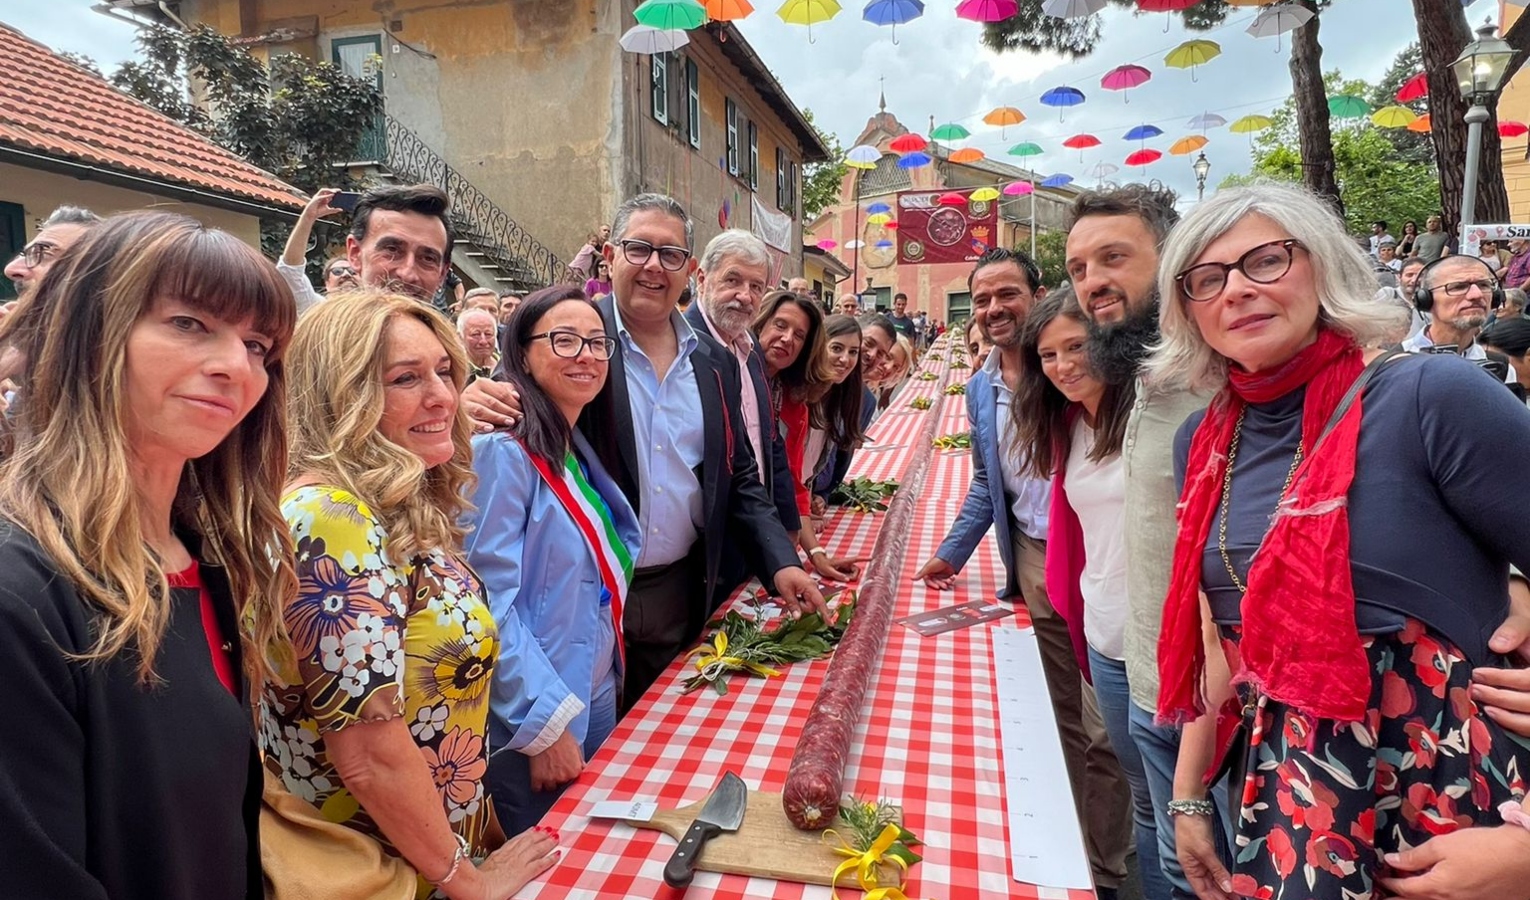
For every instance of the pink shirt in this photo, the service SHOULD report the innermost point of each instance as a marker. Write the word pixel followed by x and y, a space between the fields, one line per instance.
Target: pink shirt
pixel 741 349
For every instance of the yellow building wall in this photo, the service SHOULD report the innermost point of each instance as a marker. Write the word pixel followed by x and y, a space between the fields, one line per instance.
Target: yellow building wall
pixel 1514 104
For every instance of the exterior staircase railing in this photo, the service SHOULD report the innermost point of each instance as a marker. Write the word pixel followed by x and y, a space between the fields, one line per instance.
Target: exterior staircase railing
pixel 506 249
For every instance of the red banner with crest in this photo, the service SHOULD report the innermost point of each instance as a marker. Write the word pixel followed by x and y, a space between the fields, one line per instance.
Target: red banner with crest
pixel 930 231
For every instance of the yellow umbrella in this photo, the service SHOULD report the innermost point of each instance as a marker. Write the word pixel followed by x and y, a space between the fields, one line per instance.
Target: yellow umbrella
pixel 1003 116
pixel 1420 125
pixel 1187 145
pixel 1250 124
pixel 1191 54
pixel 985 194
pixel 966 155
pixel 1393 117
pixel 878 219
pixel 727 10
pixel 808 12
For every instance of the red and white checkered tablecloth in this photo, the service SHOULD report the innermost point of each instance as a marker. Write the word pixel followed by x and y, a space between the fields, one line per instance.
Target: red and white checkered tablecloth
pixel 928 737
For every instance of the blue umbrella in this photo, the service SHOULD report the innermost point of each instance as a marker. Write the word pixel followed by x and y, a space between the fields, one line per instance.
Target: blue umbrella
pixel 878 208
pixel 1056 181
pixel 1062 97
pixel 893 13
pixel 1143 132
pixel 883 245
pixel 914 160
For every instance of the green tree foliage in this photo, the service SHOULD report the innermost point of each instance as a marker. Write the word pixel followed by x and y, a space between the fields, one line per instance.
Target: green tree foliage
pixel 1413 146
pixel 1380 180
pixel 1051 256
pixel 821 181
pixel 1033 30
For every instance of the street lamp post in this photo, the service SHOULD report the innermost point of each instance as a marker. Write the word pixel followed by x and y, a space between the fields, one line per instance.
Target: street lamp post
pixel 1202 167
pixel 1479 74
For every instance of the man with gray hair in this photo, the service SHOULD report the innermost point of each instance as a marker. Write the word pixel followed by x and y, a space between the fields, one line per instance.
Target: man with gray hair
pixel 58 233
pixel 480 337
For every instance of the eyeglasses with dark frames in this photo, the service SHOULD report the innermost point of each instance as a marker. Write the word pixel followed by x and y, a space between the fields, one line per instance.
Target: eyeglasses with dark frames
pixel 1264 264
pixel 569 345
pixel 341 271
pixel 34 253
pixel 671 257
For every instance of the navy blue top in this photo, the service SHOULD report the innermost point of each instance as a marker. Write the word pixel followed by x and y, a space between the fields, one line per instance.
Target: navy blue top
pixel 1436 507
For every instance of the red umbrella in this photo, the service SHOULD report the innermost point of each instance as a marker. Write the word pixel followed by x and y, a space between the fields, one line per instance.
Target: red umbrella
pixel 908 143
pixel 1165 5
pixel 1510 129
pixel 1080 142
pixel 952 199
pixel 1143 157
pixel 1415 88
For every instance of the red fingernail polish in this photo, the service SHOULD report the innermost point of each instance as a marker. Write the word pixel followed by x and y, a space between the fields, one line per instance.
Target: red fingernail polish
pixel 557 854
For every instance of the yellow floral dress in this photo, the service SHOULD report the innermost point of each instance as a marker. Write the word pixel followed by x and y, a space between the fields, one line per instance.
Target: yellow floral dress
pixel 417 636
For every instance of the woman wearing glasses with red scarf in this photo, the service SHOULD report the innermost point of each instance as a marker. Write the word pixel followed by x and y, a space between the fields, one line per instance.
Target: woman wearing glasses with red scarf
pixel 1349 549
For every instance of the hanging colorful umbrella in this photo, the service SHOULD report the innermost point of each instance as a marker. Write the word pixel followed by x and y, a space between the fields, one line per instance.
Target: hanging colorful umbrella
pixel 1247 2
pixel 1062 98
pixel 1191 54
pixel 1061 179
pixel 883 244
pixel 1102 170
pixel 1206 120
pixel 1510 129
pixel 1165 6
pixel 671 14
pixel 1143 133
pixel 1004 116
pixel 986 10
pixel 854 245
pixel 950 132
pixel 1250 124
pixel 1081 142
pixel 1415 88
pixel 914 160
pixel 647 40
pixel 893 13
pixel 878 219
pixel 1274 21
pixel 878 207
pixel 808 12
pixel 1143 157
pixel 1393 117
pixel 864 156
pixel 1026 149
pixel 1072 9
pixel 891 226
pixel 827 244
pixel 1348 106
pixel 1420 125
pixel 727 10
pixel 951 198
pixel 1124 78
pixel 1017 189
pixel 984 194
pixel 908 143
pixel 966 155
pixel 1187 145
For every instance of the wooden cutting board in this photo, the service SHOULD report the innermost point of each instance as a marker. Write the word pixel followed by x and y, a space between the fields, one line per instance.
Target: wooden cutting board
pixel 767 845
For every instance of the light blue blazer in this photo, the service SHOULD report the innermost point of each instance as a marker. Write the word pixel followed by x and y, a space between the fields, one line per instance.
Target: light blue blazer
pixel 556 637
pixel 985 505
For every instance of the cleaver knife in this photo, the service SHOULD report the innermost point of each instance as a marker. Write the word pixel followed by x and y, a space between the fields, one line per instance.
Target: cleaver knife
pixel 724 811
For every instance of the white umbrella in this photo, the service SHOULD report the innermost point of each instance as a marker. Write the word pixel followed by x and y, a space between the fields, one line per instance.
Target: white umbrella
pixel 1102 170
pixel 1273 21
pixel 865 155
pixel 1207 120
pixel 648 41
pixel 1072 9
pixel 854 245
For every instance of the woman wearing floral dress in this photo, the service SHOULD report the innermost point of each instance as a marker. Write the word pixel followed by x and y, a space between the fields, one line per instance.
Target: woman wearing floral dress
pixel 381 719
pixel 1353 560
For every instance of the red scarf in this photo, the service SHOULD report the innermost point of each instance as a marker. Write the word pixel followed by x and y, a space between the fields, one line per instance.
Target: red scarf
pixel 1300 645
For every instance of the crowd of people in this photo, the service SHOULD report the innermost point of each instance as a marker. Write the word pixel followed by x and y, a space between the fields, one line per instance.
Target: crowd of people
pixel 288 568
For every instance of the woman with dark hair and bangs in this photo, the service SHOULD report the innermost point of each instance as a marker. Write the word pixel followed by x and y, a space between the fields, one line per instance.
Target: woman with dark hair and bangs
pixel 143 563
pixel 840 419
pixel 554 540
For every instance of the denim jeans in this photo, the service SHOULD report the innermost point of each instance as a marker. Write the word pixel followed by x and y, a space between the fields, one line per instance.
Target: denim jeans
pixel 509 779
pixel 1114 696
pixel 1158 747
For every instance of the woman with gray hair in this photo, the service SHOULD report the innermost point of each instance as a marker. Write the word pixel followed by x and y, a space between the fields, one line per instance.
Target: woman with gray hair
pixel 1352 602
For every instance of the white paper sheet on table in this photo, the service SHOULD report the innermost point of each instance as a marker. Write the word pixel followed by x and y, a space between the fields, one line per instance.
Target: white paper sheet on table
pixel 1046 846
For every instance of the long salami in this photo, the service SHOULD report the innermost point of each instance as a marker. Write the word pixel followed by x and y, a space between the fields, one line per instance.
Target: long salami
pixel 813 783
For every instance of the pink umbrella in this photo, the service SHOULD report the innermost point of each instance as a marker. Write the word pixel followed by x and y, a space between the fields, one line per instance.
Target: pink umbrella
pixel 1415 88
pixel 1017 188
pixel 827 244
pixel 987 10
pixel 1124 78
pixel 951 199
pixel 1143 157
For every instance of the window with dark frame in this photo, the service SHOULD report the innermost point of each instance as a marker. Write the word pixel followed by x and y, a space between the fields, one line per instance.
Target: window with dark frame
pixel 660 91
pixel 732 117
pixel 754 157
pixel 781 179
pixel 693 102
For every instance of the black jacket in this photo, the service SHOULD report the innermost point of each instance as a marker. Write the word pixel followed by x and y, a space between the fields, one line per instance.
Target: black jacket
pixel 736 508
pixel 110 788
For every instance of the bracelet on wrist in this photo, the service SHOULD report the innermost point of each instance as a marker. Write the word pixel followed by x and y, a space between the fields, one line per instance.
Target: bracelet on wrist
pixel 458 855
pixel 1190 808
pixel 818 551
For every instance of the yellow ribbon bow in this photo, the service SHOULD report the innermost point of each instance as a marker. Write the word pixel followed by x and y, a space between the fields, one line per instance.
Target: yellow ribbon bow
pixel 714 660
pixel 865 865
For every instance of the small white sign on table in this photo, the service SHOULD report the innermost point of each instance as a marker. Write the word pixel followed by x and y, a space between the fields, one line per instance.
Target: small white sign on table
pixel 1046 845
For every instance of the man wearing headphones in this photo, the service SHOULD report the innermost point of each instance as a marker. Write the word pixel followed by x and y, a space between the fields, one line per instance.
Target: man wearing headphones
pixel 1457 292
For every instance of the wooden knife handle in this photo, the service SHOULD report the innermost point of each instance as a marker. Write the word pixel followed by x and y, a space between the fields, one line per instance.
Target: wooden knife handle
pixel 681 867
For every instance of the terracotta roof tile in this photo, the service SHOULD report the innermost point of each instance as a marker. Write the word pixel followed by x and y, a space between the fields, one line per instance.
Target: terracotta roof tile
pixel 51 106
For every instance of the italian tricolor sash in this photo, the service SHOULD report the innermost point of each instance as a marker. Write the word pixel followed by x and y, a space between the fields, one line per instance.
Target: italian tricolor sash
pixel 588 510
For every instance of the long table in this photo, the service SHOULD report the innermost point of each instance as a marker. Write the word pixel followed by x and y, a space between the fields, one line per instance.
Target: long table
pixel 927 739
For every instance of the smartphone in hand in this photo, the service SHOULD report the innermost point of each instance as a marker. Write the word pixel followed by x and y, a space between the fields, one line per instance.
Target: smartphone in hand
pixel 345 200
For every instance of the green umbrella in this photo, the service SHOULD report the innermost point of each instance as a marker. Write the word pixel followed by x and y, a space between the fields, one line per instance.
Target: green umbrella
pixel 671 14
pixel 1026 149
pixel 950 132
pixel 1348 106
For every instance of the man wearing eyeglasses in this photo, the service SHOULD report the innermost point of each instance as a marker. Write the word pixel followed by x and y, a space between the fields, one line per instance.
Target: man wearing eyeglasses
pixel 1457 292
pixel 58 233
pixel 670 430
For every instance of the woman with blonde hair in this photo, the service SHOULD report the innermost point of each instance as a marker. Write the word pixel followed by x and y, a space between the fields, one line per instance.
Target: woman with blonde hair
pixel 381 720
pixel 143 563
pixel 1346 530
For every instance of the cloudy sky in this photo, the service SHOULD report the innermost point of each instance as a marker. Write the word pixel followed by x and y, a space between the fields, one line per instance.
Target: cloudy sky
pixel 939 69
